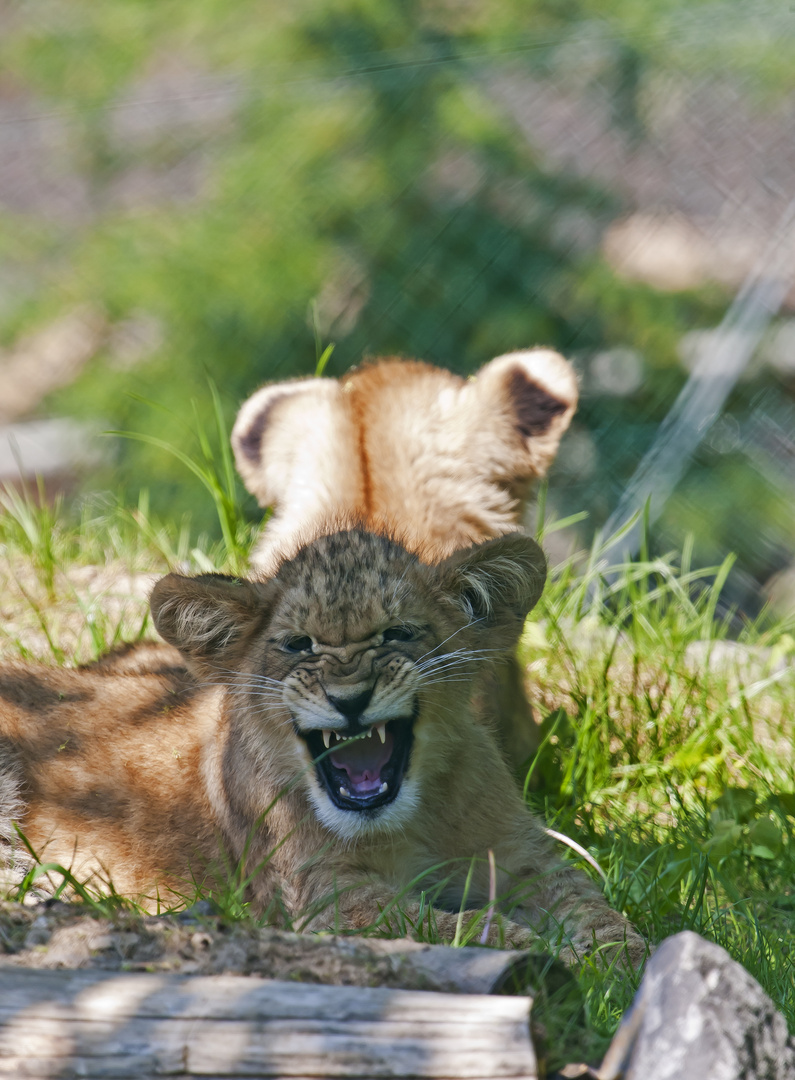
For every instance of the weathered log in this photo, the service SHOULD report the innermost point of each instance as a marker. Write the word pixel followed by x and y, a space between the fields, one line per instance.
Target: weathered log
pixel 103 1025
pixel 439 967
pixel 66 936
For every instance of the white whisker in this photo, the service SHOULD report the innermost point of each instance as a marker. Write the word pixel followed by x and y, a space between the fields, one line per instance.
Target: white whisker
pixel 442 662
pixel 445 681
pixel 398 583
pixel 458 631
pixel 248 675
pixel 241 686
pixel 458 653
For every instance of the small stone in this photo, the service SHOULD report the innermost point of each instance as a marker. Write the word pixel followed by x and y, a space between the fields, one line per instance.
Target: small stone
pixel 100 942
pixel 125 942
pixel 201 941
pixel 39 933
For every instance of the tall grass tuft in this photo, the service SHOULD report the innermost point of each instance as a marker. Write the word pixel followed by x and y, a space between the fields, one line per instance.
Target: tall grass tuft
pixel 215 469
pixel 667 751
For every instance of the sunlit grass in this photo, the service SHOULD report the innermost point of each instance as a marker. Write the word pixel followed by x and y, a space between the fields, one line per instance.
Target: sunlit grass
pixel 675 771
pixel 670 758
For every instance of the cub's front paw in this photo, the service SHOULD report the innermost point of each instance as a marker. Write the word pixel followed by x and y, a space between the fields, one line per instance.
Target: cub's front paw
pixel 621 947
pixel 476 928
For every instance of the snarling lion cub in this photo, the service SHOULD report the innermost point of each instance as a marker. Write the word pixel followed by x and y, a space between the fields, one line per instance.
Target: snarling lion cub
pixel 441 461
pixel 323 736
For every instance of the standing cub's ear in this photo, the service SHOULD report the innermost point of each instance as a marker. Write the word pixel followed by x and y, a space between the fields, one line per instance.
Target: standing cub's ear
pixel 210 618
pixel 537 390
pixel 496 584
pixel 284 433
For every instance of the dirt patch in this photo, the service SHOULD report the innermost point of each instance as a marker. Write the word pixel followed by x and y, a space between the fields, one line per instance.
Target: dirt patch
pixel 84 610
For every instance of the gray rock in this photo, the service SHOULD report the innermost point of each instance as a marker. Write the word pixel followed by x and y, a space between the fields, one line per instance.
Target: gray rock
pixel 731 658
pixel 699 1015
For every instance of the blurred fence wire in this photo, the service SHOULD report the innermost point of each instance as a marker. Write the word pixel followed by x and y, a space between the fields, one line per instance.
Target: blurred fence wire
pixel 722 358
pixel 432 180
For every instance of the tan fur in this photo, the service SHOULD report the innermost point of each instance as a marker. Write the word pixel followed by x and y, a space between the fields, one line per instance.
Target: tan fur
pixel 144 777
pixel 139 658
pixel 441 461
pixel 106 767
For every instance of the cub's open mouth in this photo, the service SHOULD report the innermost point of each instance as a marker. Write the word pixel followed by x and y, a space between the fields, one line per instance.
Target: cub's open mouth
pixel 363 772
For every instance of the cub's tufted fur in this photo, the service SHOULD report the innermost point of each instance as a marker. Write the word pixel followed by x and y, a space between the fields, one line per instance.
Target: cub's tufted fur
pixel 441 461
pixel 141 776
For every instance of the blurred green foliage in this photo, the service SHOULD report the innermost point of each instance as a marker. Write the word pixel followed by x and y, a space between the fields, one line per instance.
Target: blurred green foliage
pixel 349 159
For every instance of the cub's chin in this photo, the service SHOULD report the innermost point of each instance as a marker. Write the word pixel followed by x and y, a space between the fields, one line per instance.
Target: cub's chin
pixel 362 773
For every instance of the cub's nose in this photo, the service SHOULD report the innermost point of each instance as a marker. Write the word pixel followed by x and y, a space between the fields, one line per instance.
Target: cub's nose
pixel 352 704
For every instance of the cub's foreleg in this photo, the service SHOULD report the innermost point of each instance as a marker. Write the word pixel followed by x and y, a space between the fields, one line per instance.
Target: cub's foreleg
pixel 559 901
pixel 359 907
pixel 535 887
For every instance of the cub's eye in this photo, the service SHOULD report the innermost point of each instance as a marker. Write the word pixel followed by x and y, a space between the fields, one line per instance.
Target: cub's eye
pixel 298 644
pixel 399 633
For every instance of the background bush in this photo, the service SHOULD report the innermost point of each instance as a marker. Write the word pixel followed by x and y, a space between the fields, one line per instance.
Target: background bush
pixel 236 187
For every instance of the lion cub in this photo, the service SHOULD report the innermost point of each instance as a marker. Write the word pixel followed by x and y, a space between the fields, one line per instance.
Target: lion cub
pixel 440 461
pixel 325 738
pixel 399 445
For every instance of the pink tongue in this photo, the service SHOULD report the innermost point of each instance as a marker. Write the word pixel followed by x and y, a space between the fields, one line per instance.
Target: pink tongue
pixel 362 760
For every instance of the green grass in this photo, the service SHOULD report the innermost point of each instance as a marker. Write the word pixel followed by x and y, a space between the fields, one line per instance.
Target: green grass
pixel 676 776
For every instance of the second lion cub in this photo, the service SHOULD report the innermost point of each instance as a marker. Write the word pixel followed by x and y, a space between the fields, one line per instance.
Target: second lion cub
pixel 440 461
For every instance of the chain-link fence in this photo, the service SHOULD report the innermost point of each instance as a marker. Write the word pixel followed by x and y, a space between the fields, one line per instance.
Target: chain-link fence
pixel 198 192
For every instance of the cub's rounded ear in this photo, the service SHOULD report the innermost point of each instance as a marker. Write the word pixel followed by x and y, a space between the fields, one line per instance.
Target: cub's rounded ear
pixel 278 428
pixel 209 618
pixel 537 390
pixel 497 583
